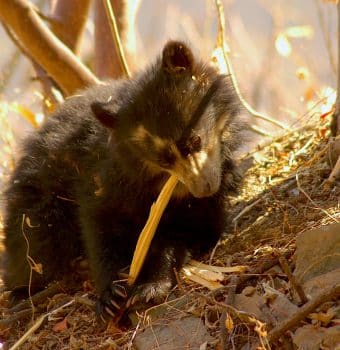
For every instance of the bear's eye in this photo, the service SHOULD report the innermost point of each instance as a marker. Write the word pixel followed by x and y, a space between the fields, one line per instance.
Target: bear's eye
pixel 190 146
pixel 166 159
pixel 195 143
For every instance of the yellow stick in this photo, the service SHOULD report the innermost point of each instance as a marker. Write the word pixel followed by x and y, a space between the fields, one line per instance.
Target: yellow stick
pixel 150 227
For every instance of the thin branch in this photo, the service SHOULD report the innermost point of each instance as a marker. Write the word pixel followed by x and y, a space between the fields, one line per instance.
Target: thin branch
pixel 312 201
pixel 260 131
pixel 68 20
pixel 221 43
pixel 326 36
pixel 294 283
pixel 245 210
pixel 39 297
pixel 18 316
pixel 304 311
pixel 47 50
pixel 337 103
pixel 37 325
pixel 335 126
pixel 116 37
pixel 106 62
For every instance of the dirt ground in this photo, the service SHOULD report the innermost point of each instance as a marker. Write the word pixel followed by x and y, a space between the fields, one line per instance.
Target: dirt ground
pixel 284 194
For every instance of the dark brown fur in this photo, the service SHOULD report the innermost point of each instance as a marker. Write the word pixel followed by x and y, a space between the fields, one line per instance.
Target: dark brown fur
pixel 88 176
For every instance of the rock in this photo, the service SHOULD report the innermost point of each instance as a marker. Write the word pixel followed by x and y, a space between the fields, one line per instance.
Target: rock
pixel 317 252
pixel 251 304
pixel 184 333
pixel 313 287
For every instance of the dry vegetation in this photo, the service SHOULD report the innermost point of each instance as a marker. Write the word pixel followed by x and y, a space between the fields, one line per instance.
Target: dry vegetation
pixel 285 194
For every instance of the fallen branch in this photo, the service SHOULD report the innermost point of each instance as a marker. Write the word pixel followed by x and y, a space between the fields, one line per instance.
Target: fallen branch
pixel 20 315
pixel 312 201
pixel 45 48
pixel 38 298
pixel 245 210
pixel 295 285
pixel 304 311
pixel 37 324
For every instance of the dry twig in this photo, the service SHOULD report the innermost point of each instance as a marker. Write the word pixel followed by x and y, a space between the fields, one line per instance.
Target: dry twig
pixel 335 127
pixel 295 285
pixel 37 298
pixel 312 201
pixel 221 42
pixel 304 311
pixel 116 37
pixel 19 315
pixel 326 35
pixel 37 324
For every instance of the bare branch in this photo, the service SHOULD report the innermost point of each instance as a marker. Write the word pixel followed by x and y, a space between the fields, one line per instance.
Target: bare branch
pixel 337 103
pixel 221 43
pixel 116 37
pixel 326 36
pixel 68 20
pixel 48 51
pixel 106 61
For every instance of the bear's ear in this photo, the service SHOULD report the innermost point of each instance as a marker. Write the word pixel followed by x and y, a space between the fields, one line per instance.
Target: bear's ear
pixel 177 58
pixel 104 113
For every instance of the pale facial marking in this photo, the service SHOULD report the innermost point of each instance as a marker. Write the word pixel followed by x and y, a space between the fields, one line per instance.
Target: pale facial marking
pixel 197 162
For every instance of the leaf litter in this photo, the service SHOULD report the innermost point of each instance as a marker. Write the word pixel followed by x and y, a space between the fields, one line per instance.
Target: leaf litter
pixel 276 218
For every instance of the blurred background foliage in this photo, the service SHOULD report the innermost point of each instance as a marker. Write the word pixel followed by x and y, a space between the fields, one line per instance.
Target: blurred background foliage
pixel 283 53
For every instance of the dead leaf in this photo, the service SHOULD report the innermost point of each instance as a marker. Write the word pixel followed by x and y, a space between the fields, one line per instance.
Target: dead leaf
pixel 229 324
pixel 323 317
pixel 326 114
pixel 60 326
pixel 37 267
pixel 200 280
pixel 29 224
pixel 311 337
pixel 223 269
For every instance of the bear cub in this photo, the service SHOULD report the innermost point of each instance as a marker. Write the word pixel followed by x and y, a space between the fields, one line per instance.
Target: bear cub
pixel 87 178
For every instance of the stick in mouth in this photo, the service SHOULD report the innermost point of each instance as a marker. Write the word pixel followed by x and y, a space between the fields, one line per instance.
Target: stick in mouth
pixel 145 238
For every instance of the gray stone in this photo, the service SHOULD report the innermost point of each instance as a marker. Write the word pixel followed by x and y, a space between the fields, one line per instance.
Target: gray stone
pixel 186 333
